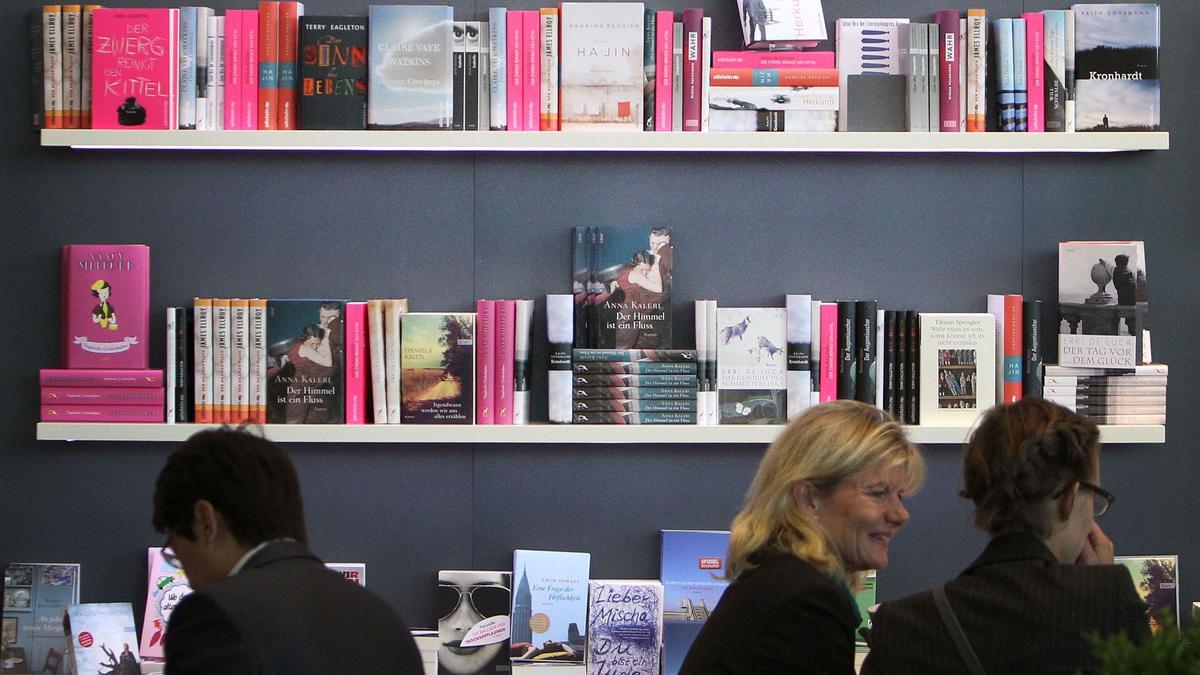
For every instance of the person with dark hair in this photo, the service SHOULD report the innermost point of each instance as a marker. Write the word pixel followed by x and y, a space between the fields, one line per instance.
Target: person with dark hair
pixel 230 505
pixel 1045 583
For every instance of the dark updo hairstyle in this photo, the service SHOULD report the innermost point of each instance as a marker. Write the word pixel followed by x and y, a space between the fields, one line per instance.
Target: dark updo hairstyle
pixel 1023 455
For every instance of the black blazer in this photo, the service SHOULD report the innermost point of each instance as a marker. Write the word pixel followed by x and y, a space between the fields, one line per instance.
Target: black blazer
pixel 284 612
pixel 781 617
pixel 1021 609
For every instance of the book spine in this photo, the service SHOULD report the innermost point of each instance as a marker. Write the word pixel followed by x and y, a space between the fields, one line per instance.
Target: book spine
pixel 172 375
pixel 693 25
pixel 768 59
pixel 1005 92
pixel 1035 83
pixel 240 362
pixel 799 366
pixel 155 396
pixel 1106 407
pixel 375 322
pixel 888 374
pixel 504 359
pixel 148 414
pixel 212 83
pixel 233 69
pixel 184 411
pixel 914 367
pixel 814 351
pixel 1020 78
pixel 268 64
pixel 1013 349
pixel 249 114
pixel 677 76
pixel 471 84
pixel 548 108
pixel 647 367
pixel 935 77
pixel 1031 340
pixel 917 91
pixel 95 377
pixel 962 74
pixel 222 353
pixel 1054 68
pixel 618 380
pixel 458 75
pixel 977 56
pixel 637 405
pixel 287 118
pixel 85 78
pixel 880 358
pixel 522 365
pixel 634 418
pixel 187 67
pixel 201 67
pixel 52 64
pixel 484 50
pixel 1123 374
pixel 393 309
pixel 485 354
pixel 701 377
pixel 531 28
pixel 498 72
pixel 847 350
pixel 37 71
pixel 774 77
pixel 1069 67
pixel 902 366
pixel 712 404
pixel 516 63
pixel 1103 389
pixel 356 363
pixel 72 65
pixel 679 355
pixel 948 93
pixel 829 351
pixel 865 347
pixel 649 67
pixel 995 307
pixel 560 322
pixel 663 69
pixel 705 70
pixel 638 393
pixel 203 334
pixel 256 377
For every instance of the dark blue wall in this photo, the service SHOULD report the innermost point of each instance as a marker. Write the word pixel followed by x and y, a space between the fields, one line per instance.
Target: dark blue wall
pixel 937 232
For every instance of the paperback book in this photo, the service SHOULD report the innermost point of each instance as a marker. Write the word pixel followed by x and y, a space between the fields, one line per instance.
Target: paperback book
pixel 1098 328
pixel 333 72
pixel 549 606
pixel 306 358
pixel 1156 579
pixel 603 69
pixel 958 372
pixel 103 638
pixel 36 596
pixel 105 306
pixel 437 365
pixel 166 586
pixel 1116 67
pixel 751 365
pixel 692 569
pixel 411 81
pixel 473 630
pixel 625 626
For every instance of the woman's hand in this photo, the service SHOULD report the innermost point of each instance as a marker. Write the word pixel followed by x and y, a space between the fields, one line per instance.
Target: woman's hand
pixel 1097 549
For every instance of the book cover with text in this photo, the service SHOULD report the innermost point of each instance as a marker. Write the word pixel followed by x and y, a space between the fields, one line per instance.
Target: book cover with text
pixel 166 586
pixel 625 626
pixel 602 66
pixel 1116 67
pixel 306 359
pixel 437 364
pixel 1156 579
pixel 135 68
pixel 957 372
pixel 692 568
pixel 632 270
pixel 103 638
pixel 473 629
pixel 36 597
pixel 752 365
pixel 105 306
pixel 549 606
pixel 1103 307
pixel 333 72
pixel 410 61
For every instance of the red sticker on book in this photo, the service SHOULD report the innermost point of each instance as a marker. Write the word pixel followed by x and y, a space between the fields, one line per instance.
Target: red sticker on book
pixel 85 639
pixel 710 563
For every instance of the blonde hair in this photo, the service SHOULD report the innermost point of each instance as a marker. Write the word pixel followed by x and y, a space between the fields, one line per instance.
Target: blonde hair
pixel 822 446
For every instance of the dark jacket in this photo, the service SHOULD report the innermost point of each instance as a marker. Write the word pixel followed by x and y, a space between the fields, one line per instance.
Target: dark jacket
pixel 284 612
pixel 781 617
pixel 1022 611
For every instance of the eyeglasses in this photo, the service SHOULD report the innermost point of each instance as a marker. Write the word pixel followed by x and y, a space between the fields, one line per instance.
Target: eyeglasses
pixel 486 599
pixel 1099 506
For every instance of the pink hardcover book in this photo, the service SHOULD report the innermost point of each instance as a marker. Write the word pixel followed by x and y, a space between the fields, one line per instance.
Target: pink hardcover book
pixel 693 85
pixel 356 363
pixel 135 68
pixel 949 63
pixel 829 349
pixel 235 70
pixel 485 354
pixel 103 413
pixel 516 58
pixel 665 46
pixel 249 114
pixel 531 27
pixel 506 322
pixel 1035 58
pixel 103 395
pixel 748 59
pixel 105 306
pixel 89 377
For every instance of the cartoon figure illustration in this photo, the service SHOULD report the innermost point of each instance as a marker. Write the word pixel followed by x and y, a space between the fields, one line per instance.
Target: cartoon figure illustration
pixel 104 313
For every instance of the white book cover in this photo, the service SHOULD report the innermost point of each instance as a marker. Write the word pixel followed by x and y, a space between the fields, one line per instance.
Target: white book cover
pixel 203 363
pixel 702 352
pixel 256 372
pixel 712 404
pixel 976 65
pixel 625 626
pixel 752 365
pixel 773 98
pixel 239 362
pixel 410 64
pixel 497 68
pixel 1069 63
pixel 1102 304
pixel 705 68
pixel 378 369
pixel 958 374
pixel 104 638
pixel 522 366
pixel 799 352
pixel 72 64
pixel 549 605
pixel 814 357
pixel 867 46
pixel 172 376
pixel 602 66
pixel 677 77
pixel 392 311
pixel 222 358
pixel 781 23
pixel 995 307
pixel 752 119
pixel 560 330
pixel 918 77
pixel 485 76
pixel 549 52
pixel 881 356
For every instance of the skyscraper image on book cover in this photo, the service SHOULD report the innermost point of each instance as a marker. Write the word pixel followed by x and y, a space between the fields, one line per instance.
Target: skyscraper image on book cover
pixel 306 359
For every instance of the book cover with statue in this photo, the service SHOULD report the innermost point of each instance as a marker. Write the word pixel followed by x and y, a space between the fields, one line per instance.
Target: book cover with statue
pixel 306 361
pixel 1103 304
pixel 437 364
pixel 105 306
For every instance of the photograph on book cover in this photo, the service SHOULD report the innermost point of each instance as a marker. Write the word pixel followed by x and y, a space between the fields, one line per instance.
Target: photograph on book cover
pixel 306 346
pixel 473 629
pixel 1102 291
pixel 8 634
pixel 956 378
pixel 1116 67
pixel 633 269
pixel 1156 579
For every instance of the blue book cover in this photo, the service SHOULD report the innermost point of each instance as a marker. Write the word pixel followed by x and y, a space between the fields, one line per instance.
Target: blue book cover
pixel 411 84
pixel 692 570
pixel 1116 67
pixel 36 595
pixel 103 638
pixel 625 627
pixel 549 605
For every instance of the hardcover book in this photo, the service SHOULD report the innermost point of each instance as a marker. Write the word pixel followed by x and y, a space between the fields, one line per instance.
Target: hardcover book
pixel 1156 579
pixel 958 372
pixel 752 365
pixel 799 348
pixel 166 585
pixel 870 46
pixel 1116 67
pixel 559 327
pixel 1102 304
pixel 787 24
pixel 625 626
pixel 63 377
pixel 612 417
pixel 692 569
pixel 549 606
pixel 36 596
pixel 411 83
pixel 473 629
pixel 103 638
pixel 437 366
pixel 602 63
pixel 632 272
pixel 102 413
pixel 135 68
pixel 105 306
pixel 333 72
pixel 306 359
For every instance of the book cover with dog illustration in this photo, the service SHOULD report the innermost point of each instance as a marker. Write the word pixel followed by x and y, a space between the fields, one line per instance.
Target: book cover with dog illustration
pixel 105 306
pixel 752 365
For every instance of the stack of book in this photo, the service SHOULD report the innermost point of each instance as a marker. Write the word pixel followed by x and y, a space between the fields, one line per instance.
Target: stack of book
pixel 91 395
pixel 773 91
pixel 1137 396
pixel 634 386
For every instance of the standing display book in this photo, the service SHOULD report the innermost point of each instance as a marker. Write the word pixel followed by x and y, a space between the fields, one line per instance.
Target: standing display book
pixel 603 69
pixel 473 629
pixel 105 306
pixel 437 366
pixel 306 361
pixel 166 585
pixel 103 638
pixel 1098 328
pixel 135 68
pixel 632 272
pixel 752 365
pixel 549 606
pixel 333 72
pixel 625 625
pixel 411 81
pixel 1156 579
pixel 36 595
pixel 1116 67
pixel 692 569
pixel 957 371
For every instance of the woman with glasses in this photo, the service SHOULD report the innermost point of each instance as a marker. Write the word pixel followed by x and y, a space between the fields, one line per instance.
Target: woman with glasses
pixel 1046 581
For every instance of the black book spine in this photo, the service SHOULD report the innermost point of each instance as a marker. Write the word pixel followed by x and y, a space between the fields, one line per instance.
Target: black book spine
pixel 183 365
pixel 1031 375
pixel 847 350
pixel 471 91
pixel 866 352
pixel 37 90
pixel 914 368
pixel 889 361
pixel 903 403
pixel 459 59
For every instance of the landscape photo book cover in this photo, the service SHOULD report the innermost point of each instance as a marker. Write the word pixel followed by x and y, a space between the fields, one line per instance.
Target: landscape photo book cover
pixel 437 364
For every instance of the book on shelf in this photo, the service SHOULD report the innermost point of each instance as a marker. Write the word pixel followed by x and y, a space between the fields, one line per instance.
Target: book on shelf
pixel 89 377
pixel 847 349
pixel 1142 373
pixel 100 396
pixel 267 103
pixel 869 46
pixel 522 368
pixel 636 405
pixel 1009 348
pixel 1097 328
pixel 356 369
pixel 692 569
pixel 473 629
pixel 649 67
pixel 949 60
pixel 814 354
pixel 394 310
pixel 407 91
pixel 497 55
pixel 752 365
pixel 35 597
pixel 1116 67
pixel 1156 579
pixel 619 417
pixel 560 326
pixel 286 115
pixel 548 56
pixel 602 64
pixel 637 393
pixel 781 24
pixel 222 377
pixel 866 346
pixel 957 371
pixel 166 585
pixel 549 606
pixel 976 65
pixel 1002 30
pixel 72 62
pixel 693 50
pixel 333 72
pixel 1031 346
pixel 379 402
pixel 135 66
pixel 438 368
pixel 773 59
pixel 636 367
pixel 623 278
pixel 354 572
pixel 105 306
pixel 502 362
pixel 1054 70
pixel 774 77
pixel 102 638
pixel 514 44
pixel 701 375
pixel 625 626
pixel 51 32
pixel 458 68
pixel 306 356
pixel 664 76
pixel 638 380
pixel 531 72
pixel 1020 76
pixel 1035 73
pixel 876 102
pixel 485 367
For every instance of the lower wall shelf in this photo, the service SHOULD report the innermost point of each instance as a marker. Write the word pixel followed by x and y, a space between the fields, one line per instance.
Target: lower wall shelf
pixel 533 433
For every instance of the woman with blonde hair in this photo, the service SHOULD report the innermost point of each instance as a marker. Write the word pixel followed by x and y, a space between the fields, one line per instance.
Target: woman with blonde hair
pixel 822 509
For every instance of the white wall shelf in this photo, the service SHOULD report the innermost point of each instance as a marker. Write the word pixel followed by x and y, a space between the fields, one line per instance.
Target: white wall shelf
pixel 534 433
pixel 587 141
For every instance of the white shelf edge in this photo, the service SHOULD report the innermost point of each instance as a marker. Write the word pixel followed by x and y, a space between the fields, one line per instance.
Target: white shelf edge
pixel 534 433
pixel 591 141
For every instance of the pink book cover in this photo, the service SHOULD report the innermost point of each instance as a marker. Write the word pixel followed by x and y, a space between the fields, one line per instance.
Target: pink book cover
pixel 516 84
pixel 949 63
pixel 87 377
pixel 103 413
pixel 485 354
pixel 234 69
pixel 135 68
pixel 356 363
pixel 693 51
pixel 166 585
pixel 665 46
pixel 829 348
pixel 531 65
pixel 1035 84
pixel 104 395
pixel 249 114
pixel 506 321
pixel 747 59
pixel 105 306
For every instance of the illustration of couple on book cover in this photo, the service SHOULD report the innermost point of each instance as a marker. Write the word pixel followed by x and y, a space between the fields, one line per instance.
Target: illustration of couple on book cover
pixel 305 362
pixel 629 288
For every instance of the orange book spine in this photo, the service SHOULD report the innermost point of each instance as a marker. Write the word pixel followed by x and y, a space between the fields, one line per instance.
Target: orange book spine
pixel 774 77
pixel 268 63
pixel 52 64
pixel 202 364
pixel 1013 348
pixel 289 29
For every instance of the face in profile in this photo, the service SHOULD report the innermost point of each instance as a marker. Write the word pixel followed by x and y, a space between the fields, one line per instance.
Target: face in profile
pixel 861 514
pixel 470 597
